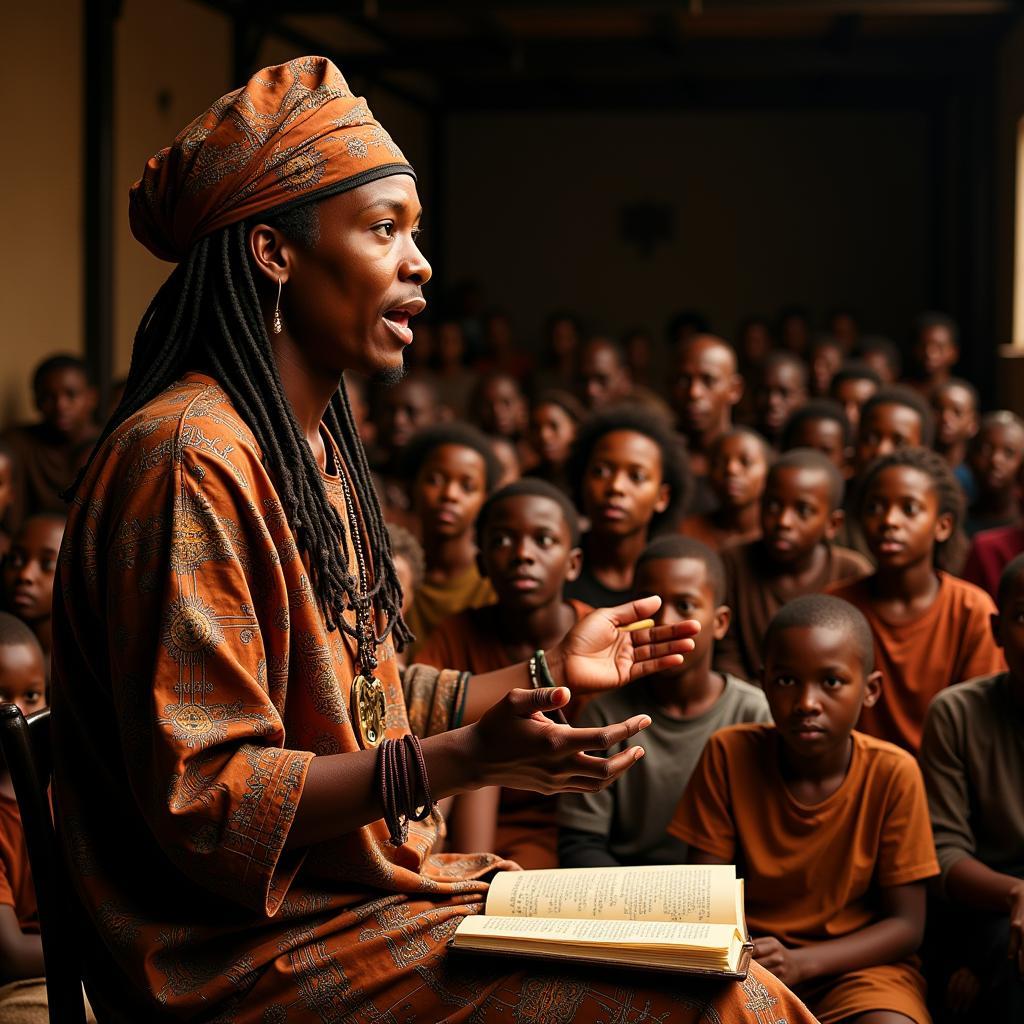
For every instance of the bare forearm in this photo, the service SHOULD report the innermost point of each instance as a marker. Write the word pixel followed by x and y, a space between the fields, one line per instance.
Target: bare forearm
pixel 886 942
pixel 486 689
pixel 22 957
pixel 971 882
pixel 341 792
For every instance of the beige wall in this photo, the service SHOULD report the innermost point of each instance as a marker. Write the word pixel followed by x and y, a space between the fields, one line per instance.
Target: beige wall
pixel 819 208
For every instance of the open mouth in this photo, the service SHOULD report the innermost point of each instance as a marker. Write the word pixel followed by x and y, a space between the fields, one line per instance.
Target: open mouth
pixel 398 322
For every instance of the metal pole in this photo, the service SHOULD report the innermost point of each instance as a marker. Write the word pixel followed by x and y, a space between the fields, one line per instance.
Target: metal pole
pixel 98 151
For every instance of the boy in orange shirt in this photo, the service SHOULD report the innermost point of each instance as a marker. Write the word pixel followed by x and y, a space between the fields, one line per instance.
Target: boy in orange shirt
pixel 831 826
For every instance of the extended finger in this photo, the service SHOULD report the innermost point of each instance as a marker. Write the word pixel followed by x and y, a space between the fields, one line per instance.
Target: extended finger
pixel 633 611
pixel 608 770
pixel 669 633
pixel 597 766
pixel 662 648
pixel 605 736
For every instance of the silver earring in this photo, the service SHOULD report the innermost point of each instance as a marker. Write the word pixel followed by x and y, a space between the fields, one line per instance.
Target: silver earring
pixel 278 327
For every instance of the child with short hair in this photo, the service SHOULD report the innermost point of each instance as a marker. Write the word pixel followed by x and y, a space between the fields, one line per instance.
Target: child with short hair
pixel 555 420
pixel 931 629
pixel 626 823
pixel 995 458
pixel 831 826
pixel 48 454
pixel 883 356
pixel 782 390
pixel 737 472
pixel 972 756
pixel 498 407
pixel 23 994
pixel 28 572
pixel 826 358
pixel 851 387
pixel 630 478
pixel 956 405
pixel 935 350
pixel 821 424
pixel 528 537
pixel 452 469
pixel 800 515
pixel 895 417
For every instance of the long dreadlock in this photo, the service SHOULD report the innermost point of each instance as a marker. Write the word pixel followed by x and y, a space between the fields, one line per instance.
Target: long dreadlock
pixel 207 313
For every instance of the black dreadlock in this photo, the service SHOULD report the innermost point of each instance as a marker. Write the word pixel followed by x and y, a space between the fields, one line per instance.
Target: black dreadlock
pixel 208 314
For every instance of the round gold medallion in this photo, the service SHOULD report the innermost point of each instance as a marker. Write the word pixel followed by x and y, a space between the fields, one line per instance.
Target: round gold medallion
pixel 369 709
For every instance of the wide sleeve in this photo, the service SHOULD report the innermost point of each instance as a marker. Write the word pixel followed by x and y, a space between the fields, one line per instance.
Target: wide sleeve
pixel 906 851
pixel 703 817
pixel 196 607
pixel 435 700
pixel 945 779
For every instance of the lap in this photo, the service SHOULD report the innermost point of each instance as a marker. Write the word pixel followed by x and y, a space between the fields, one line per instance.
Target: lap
pixel 897 988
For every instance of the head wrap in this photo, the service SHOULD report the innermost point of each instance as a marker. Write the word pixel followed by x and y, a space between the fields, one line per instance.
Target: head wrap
pixel 294 133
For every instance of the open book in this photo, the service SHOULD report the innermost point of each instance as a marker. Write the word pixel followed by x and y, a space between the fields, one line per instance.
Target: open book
pixel 676 917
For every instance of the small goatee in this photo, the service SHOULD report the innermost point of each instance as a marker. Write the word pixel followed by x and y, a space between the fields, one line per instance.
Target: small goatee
pixel 389 377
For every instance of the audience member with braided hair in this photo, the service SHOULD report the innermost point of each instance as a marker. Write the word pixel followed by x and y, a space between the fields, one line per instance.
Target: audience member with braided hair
pixel 227 710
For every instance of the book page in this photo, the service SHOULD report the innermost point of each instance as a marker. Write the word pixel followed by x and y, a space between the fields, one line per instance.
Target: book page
pixel 717 937
pixel 699 894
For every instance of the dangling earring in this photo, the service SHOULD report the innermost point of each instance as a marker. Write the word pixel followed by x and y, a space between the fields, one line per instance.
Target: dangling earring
pixel 278 327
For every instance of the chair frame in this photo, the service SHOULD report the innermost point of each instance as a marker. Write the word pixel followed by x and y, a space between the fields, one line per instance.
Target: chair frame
pixel 27 749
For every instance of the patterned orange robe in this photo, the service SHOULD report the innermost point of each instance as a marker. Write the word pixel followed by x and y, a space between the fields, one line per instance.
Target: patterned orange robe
pixel 193 682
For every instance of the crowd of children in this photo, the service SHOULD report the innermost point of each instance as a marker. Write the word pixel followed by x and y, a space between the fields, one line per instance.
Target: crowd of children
pixel 850 726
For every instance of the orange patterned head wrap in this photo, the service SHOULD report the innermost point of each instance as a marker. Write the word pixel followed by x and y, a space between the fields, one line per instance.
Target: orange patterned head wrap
pixel 294 133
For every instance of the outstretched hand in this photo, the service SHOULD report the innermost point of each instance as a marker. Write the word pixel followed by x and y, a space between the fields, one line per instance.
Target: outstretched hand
pixel 514 744
pixel 599 654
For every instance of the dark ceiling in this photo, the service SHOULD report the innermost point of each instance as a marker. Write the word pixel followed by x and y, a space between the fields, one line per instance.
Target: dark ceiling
pixel 525 53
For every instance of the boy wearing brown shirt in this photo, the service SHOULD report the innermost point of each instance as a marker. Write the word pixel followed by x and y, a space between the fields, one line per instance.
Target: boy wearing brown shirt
pixel 800 514
pixel 830 826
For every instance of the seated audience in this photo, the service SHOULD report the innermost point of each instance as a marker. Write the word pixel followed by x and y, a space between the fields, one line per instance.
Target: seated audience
pixel 48 454
pixel 605 380
pixel 826 358
pixel 794 331
pixel 508 459
pixel 554 420
pixel 629 478
pixel 560 354
pixel 22 985
pixel 852 386
pixel 626 823
pixel 498 407
pixel 800 513
pixel 6 497
pixel 893 418
pixel 934 351
pixel 641 358
pixel 995 459
pixel 28 572
pixel 737 471
pixel 528 535
pixel 782 390
pixel 452 469
pixel 821 424
pixel 501 353
pixel 955 403
pixel 972 756
pixel 451 378
pixel 831 826
pixel 843 326
pixel 707 386
pixel 931 629
pixel 882 356
pixel 991 551
pixel 407 555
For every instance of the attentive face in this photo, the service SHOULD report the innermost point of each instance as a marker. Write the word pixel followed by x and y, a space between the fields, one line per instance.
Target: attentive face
pixel 450 488
pixel 501 408
pixel 686 593
pixel 796 513
pixel 66 401
pixel 901 519
pixel 6 483
pixel 30 567
pixel 347 301
pixel 407 579
pixel 623 488
pixel 815 683
pixel 886 428
pixel 825 363
pixel 23 677
pixel 552 432
pixel 782 392
pixel 955 414
pixel 1008 630
pixel 826 435
pixel 707 386
pixel 604 378
pixel 737 470
pixel 405 409
pixel 851 394
pixel 936 352
pixel 878 361
pixel 996 457
pixel 527 551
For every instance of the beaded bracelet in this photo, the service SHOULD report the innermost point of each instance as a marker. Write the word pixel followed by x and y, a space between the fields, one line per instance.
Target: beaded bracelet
pixel 402 776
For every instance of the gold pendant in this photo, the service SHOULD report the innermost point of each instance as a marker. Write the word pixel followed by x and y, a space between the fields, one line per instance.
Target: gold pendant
pixel 369 710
